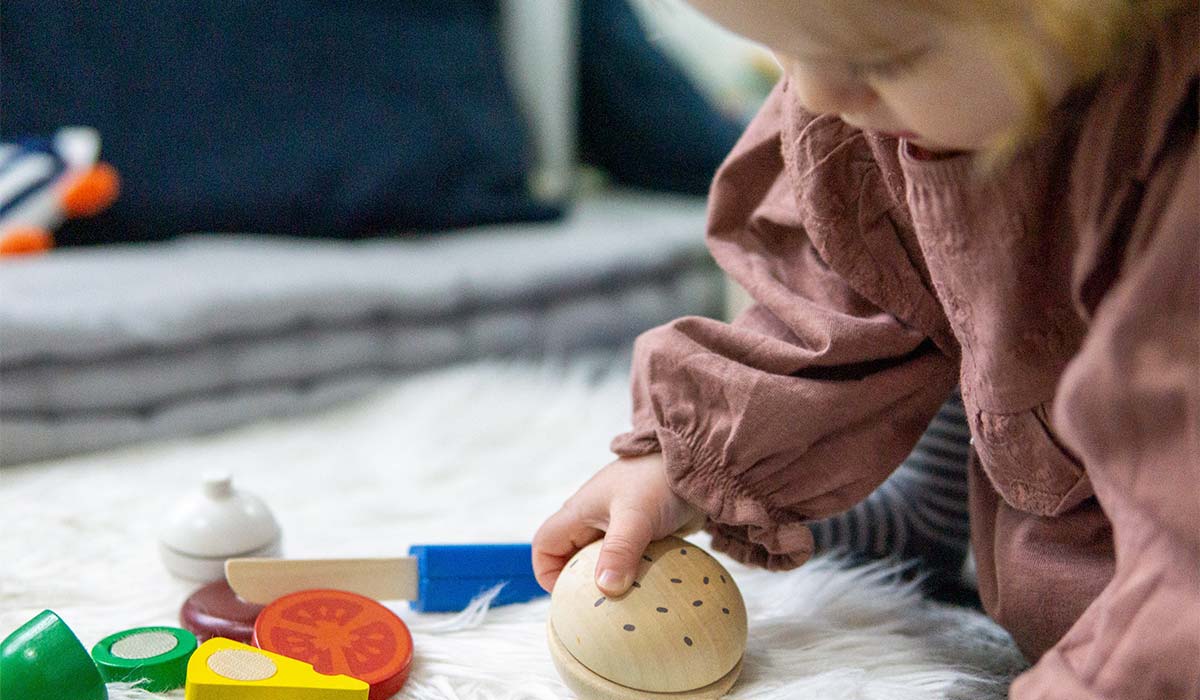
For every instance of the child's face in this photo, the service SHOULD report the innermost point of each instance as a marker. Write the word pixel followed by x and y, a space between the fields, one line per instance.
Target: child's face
pixel 924 79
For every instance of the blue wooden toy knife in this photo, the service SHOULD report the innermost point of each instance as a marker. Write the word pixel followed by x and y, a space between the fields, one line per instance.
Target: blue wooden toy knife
pixel 433 577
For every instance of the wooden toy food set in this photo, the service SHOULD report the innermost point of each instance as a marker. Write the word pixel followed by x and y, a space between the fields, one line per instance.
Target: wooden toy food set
pixel 679 632
pixel 274 629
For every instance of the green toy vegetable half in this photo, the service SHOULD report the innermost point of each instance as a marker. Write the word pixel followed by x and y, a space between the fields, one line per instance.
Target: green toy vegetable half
pixel 44 660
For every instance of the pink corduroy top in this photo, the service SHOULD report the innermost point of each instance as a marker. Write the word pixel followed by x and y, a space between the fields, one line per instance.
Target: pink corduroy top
pixel 1062 294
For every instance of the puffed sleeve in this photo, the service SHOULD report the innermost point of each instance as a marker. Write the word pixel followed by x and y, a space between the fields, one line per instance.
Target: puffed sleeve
pixel 1129 406
pixel 804 404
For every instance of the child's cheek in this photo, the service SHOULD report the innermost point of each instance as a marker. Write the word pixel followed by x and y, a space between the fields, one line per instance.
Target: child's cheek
pixel 953 112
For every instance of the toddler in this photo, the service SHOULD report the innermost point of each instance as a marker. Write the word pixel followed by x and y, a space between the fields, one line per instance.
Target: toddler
pixel 999 194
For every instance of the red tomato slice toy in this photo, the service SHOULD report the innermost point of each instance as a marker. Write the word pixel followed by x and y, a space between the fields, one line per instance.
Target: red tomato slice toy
pixel 339 632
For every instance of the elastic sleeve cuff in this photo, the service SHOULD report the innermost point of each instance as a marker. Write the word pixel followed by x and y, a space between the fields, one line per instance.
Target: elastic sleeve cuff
pixel 742 525
pixel 635 443
pixel 794 540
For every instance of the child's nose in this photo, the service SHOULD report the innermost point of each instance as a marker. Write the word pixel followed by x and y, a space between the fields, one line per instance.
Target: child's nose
pixel 825 93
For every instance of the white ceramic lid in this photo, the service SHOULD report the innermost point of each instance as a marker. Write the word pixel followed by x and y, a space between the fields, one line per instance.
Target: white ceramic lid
pixel 220 521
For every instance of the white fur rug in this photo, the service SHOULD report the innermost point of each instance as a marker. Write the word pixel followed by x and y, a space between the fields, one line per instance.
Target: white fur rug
pixel 481 452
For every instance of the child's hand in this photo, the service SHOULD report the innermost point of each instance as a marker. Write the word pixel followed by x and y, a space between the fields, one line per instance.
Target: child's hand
pixel 630 501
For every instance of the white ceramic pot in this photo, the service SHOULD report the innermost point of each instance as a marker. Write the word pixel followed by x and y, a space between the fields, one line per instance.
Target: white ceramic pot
pixel 217 523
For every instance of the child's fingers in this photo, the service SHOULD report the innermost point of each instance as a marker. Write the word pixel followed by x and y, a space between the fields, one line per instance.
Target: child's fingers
pixel 629 531
pixel 556 541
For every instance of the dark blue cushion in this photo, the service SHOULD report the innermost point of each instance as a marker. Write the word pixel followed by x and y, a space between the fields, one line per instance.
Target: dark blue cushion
pixel 640 116
pixel 308 117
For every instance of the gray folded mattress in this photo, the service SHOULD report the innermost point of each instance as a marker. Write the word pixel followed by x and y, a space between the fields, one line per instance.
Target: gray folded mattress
pixel 115 344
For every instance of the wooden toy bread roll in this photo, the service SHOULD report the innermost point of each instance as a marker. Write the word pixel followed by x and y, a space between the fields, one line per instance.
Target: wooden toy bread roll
pixel 681 627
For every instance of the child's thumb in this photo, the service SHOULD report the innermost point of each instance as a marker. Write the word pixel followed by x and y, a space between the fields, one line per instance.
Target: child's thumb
pixel 628 534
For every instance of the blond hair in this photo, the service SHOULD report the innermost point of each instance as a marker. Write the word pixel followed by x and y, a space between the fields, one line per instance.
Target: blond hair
pixel 1090 35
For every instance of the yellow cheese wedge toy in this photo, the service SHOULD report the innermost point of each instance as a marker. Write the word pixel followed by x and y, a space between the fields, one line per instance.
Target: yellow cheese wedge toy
pixel 222 669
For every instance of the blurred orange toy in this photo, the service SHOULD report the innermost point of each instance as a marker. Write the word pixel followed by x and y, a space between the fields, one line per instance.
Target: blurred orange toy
pixel 44 182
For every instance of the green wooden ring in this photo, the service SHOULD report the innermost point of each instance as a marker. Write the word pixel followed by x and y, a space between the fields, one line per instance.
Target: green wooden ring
pixel 43 659
pixel 163 670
